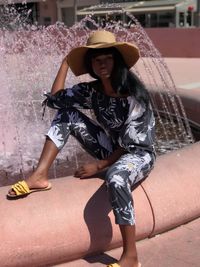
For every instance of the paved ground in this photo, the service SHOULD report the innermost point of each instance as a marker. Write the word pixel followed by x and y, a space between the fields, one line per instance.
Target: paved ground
pixel 177 248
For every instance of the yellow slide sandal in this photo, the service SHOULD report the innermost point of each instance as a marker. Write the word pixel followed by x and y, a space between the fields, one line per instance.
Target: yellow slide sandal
pixel 21 189
pixel 117 265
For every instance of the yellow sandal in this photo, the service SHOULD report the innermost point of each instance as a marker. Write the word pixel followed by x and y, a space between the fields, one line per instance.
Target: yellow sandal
pixel 117 265
pixel 21 189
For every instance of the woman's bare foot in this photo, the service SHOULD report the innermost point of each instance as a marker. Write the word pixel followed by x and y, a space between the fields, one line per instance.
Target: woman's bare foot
pixel 36 180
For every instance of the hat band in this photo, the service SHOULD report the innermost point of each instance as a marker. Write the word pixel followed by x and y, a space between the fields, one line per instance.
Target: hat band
pixel 100 43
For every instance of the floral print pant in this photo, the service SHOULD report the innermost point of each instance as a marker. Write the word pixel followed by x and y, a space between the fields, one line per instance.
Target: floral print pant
pixel 120 177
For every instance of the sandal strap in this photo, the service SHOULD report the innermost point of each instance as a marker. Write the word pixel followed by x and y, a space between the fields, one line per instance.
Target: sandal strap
pixel 113 265
pixel 21 188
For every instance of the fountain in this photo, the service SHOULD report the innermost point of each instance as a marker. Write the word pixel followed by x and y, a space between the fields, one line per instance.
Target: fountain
pixel 31 56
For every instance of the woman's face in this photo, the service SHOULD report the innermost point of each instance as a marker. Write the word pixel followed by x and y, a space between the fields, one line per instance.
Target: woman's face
pixel 103 65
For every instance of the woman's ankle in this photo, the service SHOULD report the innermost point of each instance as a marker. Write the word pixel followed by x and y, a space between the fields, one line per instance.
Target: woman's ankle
pixel 130 254
pixel 128 260
pixel 38 175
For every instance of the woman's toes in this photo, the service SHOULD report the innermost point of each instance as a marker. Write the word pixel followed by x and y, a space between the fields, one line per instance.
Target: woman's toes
pixel 11 192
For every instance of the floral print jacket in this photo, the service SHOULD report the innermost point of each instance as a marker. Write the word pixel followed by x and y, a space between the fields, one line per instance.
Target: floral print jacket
pixel 130 124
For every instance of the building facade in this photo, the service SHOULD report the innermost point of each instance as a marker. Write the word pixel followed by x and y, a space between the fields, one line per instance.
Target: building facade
pixel 165 13
pixel 157 13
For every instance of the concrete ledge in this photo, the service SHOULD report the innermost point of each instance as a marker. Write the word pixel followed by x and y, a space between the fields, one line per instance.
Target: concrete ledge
pixel 74 219
pixel 174 188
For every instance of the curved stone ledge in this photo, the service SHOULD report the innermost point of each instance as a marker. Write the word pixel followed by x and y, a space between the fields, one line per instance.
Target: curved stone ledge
pixel 75 218
pixel 173 188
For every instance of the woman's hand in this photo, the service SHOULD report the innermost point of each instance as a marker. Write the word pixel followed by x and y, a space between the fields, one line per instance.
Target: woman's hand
pixel 65 60
pixel 87 170
pixel 92 168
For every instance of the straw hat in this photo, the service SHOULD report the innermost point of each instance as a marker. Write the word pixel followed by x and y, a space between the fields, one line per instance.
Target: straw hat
pixel 101 39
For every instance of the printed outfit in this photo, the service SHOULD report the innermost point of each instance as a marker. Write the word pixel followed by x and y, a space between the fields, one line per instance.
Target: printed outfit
pixel 121 121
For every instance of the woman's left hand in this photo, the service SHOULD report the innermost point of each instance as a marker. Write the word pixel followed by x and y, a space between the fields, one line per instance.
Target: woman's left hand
pixel 87 170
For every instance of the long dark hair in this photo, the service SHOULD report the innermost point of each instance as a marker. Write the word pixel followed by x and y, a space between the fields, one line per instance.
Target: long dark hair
pixel 123 80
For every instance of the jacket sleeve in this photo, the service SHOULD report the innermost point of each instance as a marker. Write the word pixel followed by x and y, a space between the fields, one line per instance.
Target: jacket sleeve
pixel 139 129
pixel 79 96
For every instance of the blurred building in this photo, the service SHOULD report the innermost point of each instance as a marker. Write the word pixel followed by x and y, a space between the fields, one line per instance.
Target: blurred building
pixel 68 9
pixel 165 13
pixel 42 11
pixel 157 13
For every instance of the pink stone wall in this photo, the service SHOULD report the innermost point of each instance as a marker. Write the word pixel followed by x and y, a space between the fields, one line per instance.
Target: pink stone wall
pixel 172 42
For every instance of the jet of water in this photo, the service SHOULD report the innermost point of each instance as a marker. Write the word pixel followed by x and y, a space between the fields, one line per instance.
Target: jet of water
pixel 30 57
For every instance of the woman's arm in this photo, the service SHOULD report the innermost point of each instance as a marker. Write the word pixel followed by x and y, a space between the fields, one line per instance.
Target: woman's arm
pixel 59 81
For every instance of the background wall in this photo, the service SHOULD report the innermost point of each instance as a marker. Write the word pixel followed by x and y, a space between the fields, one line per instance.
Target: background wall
pixel 47 12
pixel 173 42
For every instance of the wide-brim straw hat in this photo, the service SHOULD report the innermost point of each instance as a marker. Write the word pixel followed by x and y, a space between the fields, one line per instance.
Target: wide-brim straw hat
pixel 101 39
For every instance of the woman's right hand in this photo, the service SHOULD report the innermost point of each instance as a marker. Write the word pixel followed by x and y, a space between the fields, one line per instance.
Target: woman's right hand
pixel 65 60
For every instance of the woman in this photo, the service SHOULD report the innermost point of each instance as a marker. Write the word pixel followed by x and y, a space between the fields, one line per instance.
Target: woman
pixel 122 138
